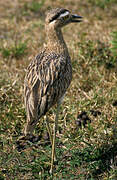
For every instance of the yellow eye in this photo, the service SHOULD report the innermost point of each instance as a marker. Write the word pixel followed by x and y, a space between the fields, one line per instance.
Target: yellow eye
pixel 66 17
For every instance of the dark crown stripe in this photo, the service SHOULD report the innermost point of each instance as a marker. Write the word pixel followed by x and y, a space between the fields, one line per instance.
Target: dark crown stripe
pixel 58 14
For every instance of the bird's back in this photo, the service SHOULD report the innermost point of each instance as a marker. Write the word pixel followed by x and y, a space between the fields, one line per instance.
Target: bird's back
pixel 47 79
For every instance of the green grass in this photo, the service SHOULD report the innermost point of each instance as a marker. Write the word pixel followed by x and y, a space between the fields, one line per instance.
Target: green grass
pixel 102 3
pixel 33 6
pixel 83 153
pixel 16 51
pixel 114 43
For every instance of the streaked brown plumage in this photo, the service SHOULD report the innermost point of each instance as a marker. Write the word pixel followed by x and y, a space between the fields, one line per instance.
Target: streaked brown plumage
pixel 49 74
pixel 46 81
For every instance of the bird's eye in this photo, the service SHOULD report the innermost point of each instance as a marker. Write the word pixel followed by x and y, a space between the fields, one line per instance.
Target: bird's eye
pixel 66 17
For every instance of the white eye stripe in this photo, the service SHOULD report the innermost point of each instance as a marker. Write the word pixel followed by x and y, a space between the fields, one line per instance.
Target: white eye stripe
pixel 64 14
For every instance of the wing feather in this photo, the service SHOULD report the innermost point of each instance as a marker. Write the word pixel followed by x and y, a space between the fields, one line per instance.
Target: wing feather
pixel 45 79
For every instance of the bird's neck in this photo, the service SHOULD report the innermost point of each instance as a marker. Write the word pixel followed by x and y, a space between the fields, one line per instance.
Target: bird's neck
pixel 55 41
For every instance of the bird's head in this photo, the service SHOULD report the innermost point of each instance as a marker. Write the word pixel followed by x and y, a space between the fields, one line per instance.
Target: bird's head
pixel 60 17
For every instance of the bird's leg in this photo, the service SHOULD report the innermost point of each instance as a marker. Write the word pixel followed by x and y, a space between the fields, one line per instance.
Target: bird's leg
pixel 48 128
pixel 29 128
pixel 54 138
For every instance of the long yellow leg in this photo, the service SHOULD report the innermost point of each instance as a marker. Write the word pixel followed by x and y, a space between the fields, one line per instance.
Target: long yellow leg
pixel 54 139
pixel 48 129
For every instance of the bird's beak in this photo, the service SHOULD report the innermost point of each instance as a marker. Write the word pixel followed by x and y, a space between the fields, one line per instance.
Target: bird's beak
pixel 76 18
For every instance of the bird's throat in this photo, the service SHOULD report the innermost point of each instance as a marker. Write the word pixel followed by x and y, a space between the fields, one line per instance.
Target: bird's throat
pixel 55 41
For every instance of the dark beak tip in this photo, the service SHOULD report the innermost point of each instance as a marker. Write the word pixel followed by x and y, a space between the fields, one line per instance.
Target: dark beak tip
pixel 76 18
pixel 80 17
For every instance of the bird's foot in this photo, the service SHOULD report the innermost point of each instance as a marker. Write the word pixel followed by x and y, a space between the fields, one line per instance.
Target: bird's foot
pixel 29 137
pixel 53 166
pixel 24 140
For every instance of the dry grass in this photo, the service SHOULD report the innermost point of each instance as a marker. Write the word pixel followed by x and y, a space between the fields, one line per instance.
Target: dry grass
pixel 84 153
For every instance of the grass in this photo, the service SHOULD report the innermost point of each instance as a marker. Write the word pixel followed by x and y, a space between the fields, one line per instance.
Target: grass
pixel 102 3
pixel 114 44
pixel 34 6
pixel 16 51
pixel 88 152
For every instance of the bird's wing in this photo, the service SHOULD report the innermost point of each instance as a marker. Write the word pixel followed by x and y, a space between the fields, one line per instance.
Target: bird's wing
pixel 46 81
pixel 45 70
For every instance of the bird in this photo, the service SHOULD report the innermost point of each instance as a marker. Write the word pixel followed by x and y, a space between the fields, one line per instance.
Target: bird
pixel 49 75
